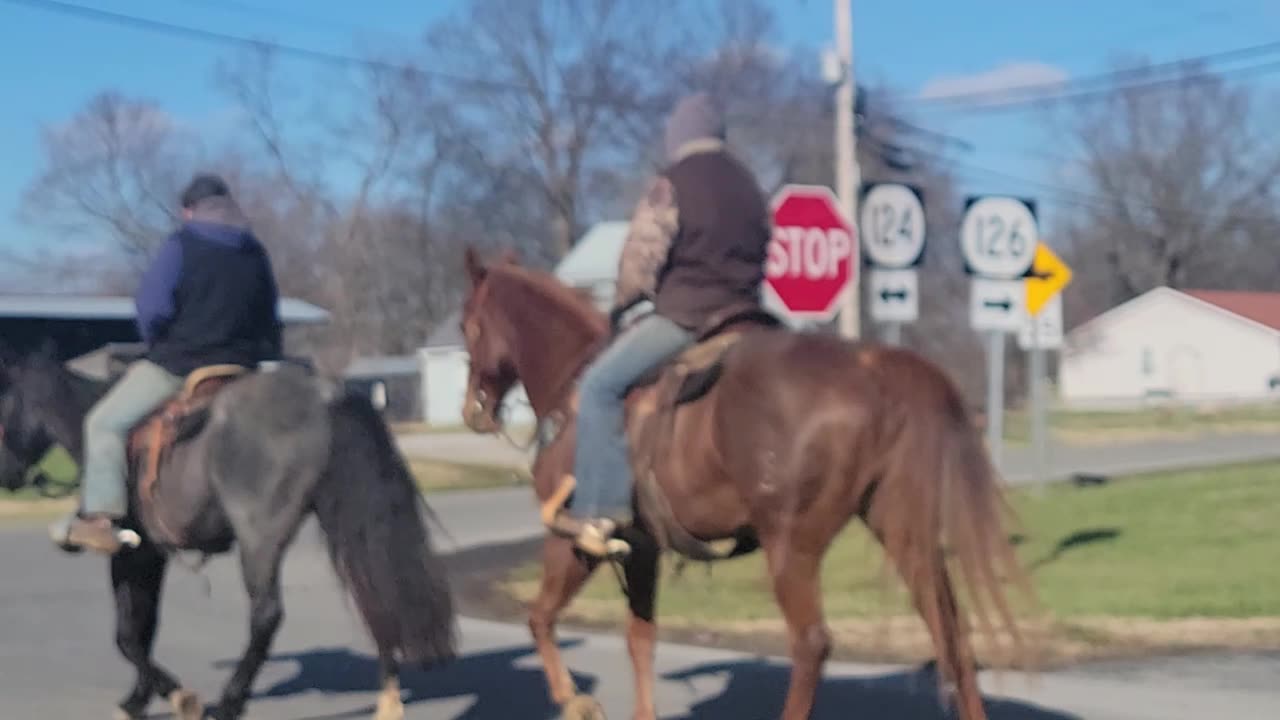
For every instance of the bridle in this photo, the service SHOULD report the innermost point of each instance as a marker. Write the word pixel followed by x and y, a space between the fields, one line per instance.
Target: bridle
pixel 557 414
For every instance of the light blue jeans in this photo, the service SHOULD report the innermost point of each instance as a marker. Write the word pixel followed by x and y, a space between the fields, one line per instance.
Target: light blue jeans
pixel 602 466
pixel 137 394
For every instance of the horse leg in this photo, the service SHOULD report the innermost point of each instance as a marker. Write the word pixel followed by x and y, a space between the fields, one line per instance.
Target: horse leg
pixel 260 564
pixel 642 630
pixel 563 575
pixel 797 587
pixel 136 581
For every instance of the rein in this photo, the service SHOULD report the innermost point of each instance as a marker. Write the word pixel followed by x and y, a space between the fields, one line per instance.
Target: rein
pixel 560 395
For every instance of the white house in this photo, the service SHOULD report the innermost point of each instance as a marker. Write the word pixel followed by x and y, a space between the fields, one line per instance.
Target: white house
pixel 1186 346
pixel 591 264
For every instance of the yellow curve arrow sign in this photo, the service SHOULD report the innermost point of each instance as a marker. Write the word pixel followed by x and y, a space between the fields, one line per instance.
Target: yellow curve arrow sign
pixel 1049 275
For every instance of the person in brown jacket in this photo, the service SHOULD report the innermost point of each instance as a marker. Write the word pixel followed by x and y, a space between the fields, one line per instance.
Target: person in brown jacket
pixel 696 246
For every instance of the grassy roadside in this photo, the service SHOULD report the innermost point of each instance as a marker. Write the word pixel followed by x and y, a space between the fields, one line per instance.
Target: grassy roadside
pixel 1086 427
pixel 1163 562
pixel 1069 426
pixel 431 476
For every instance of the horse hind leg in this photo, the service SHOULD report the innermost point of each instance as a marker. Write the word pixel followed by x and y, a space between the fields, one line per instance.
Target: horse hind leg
pixel 136 580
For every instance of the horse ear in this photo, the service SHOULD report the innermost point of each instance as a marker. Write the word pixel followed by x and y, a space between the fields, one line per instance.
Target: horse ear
pixel 475 266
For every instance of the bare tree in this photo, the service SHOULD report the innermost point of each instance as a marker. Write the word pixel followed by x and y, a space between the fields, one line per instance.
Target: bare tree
pixel 1177 188
pixel 113 173
pixel 565 87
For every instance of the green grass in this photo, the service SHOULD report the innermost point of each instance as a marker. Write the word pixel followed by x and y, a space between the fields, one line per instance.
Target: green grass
pixel 1122 425
pixel 430 476
pixel 440 476
pixel 1181 545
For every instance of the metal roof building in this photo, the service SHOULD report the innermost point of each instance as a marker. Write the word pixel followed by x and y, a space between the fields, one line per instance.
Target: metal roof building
pixel 81 324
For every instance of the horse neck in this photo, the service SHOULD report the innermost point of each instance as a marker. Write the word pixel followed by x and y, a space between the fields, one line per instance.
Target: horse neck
pixel 69 399
pixel 551 332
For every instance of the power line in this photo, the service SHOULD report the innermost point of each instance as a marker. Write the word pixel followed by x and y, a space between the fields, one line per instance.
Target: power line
pixel 1107 92
pixel 1081 198
pixel 1105 78
pixel 326 57
pixel 350 61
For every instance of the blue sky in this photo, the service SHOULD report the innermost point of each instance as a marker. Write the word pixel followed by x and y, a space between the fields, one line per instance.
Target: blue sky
pixel 51 63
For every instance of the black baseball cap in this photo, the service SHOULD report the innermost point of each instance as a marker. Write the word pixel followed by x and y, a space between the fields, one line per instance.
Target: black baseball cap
pixel 203 186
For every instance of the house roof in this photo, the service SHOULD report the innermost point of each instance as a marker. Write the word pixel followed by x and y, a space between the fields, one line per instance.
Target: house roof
pixel 1260 307
pixel 594 258
pixel 113 307
pixel 1257 309
pixel 448 333
pixel 382 366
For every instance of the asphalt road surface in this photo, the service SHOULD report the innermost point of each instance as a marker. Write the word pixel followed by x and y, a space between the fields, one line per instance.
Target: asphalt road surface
pixel 57 658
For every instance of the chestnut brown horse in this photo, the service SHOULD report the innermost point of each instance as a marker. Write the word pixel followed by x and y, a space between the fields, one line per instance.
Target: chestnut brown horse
pixel 797 433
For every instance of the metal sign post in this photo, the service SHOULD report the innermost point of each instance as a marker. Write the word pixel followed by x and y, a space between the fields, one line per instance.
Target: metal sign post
pixel 1042 330
pixel 998 239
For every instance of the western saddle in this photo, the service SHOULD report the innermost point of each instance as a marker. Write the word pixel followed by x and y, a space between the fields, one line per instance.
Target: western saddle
pixel 682 380
pixel 179 418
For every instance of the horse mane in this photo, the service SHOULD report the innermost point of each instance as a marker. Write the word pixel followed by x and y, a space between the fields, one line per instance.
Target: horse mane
pixel 543 292
pixel 554 328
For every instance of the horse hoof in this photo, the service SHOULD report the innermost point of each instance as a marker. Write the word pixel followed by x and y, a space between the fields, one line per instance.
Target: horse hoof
pixel 389 709
pixel 582 707
pixel 186 705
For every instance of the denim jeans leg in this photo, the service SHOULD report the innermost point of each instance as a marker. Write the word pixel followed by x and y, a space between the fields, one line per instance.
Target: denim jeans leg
pixel 602 466
pixel 142 389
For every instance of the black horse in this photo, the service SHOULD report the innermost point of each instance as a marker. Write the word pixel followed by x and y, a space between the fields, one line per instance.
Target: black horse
pixel 276 446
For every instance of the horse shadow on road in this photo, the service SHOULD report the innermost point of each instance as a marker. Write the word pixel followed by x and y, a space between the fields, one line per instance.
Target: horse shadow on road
pixel 499 687
pixel 755 690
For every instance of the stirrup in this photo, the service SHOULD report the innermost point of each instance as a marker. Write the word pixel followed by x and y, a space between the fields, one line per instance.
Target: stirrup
pixel 593 541
pixel 62 535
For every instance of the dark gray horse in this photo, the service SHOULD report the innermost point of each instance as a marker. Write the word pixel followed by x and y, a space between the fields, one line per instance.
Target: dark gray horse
pixel 276 446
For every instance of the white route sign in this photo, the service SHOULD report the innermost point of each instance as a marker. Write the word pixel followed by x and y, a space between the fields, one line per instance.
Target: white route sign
pixel 998 237
pixel 1048 327
pixel 895 295
pixel 996 305
pixel 892 226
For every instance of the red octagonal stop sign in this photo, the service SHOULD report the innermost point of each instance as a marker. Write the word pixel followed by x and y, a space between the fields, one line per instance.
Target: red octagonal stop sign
pixel 811 255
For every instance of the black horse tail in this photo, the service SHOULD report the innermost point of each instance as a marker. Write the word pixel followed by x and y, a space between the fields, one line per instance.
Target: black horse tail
pixel 372 517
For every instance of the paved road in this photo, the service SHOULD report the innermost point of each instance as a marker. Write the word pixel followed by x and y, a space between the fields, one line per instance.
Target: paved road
pixel 57 658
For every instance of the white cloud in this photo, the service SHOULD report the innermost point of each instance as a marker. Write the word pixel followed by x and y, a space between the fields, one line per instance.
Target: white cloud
pixel 1003 80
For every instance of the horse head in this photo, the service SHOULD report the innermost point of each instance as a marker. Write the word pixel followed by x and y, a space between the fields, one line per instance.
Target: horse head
pixel 491 357
pixel 522 325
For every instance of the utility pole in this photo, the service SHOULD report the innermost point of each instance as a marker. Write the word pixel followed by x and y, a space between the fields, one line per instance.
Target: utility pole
pixel 848 176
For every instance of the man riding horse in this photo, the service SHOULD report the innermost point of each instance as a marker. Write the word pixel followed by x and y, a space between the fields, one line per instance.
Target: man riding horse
pixel 208 298
pixel 696 247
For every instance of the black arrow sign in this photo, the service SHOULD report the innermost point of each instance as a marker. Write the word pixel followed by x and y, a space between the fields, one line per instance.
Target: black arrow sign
pixel 1004 304
pixel 900 294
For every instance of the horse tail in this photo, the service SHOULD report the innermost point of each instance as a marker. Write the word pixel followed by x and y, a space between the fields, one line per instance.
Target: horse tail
pixel 371 514
pixel 940 500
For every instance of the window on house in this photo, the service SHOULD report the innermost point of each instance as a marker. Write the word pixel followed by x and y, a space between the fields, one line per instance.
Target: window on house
pixel 1148 361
